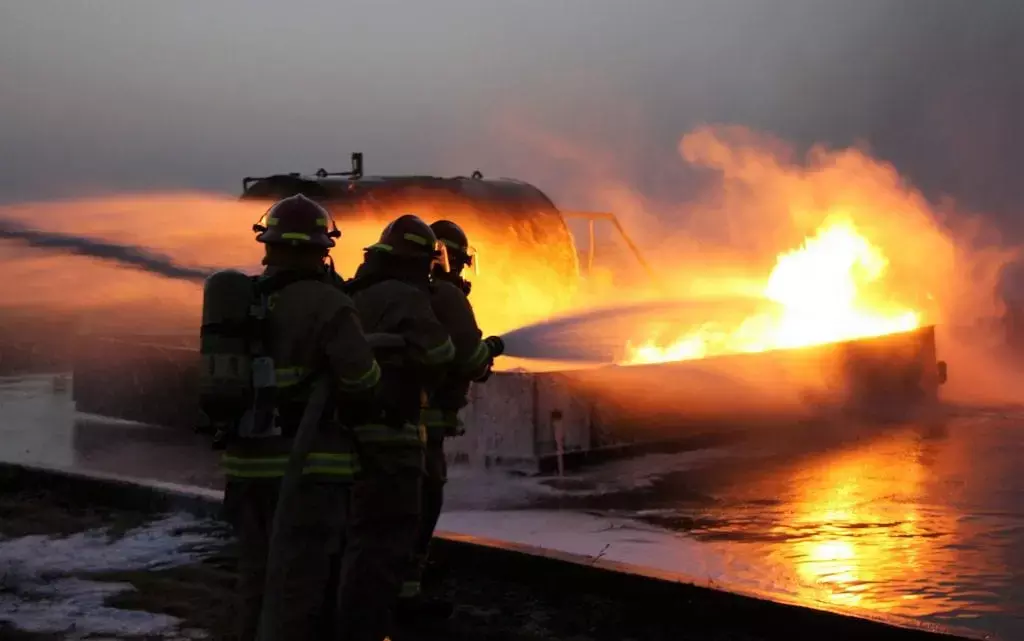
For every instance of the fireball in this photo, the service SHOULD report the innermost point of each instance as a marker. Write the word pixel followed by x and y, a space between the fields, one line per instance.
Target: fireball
pixel 827 290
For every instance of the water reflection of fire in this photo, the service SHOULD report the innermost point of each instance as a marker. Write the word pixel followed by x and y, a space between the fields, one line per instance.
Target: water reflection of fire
pixel 828 290
pixel 858 548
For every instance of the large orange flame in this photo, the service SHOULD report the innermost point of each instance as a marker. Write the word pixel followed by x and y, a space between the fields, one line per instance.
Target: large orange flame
pixel 825 291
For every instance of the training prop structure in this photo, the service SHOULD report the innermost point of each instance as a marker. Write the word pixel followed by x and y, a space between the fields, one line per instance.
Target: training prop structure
pixel 543 420
pixel 554 420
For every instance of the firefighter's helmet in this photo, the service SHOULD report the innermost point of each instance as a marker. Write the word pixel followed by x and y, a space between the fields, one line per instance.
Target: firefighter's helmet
pixel 296 221
pixel 407 236
pixel 455 241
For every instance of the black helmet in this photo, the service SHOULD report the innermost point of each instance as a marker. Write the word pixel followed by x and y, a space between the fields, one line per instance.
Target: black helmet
pixel 408 236
pixel 297 220
pixel 455 241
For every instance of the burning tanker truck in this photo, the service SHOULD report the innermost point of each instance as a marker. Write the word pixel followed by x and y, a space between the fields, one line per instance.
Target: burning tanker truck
pixel 628 400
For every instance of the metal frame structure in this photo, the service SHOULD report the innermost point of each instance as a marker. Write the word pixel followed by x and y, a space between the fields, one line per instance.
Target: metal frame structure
pixel 592 217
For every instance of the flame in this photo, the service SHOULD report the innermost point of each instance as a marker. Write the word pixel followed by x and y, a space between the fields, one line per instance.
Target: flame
pixel 825 291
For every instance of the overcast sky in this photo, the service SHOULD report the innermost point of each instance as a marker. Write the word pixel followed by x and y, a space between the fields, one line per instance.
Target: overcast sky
pixel 128 94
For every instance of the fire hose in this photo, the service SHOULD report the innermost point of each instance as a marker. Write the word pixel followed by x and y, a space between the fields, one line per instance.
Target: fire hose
pixel 284 513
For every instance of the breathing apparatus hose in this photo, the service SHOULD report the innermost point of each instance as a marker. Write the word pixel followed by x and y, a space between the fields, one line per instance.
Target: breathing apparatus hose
pixel 284 517
pixel 284 513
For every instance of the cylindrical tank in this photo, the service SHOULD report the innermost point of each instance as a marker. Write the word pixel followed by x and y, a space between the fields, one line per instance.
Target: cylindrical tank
pixel 225 360
pixel 528 267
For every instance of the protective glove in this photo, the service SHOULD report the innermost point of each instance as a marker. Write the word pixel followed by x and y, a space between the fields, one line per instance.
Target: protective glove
pixel 495 345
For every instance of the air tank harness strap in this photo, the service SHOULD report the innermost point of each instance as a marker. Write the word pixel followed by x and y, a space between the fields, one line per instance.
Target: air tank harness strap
pixel 267 285
pixel 364 281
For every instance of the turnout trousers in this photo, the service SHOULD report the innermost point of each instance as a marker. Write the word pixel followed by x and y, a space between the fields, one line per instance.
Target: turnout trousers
pixel 380 530
pixel 249 507
pixel 431 503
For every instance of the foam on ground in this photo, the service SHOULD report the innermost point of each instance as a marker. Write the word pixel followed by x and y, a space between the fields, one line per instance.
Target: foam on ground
pixel 41 589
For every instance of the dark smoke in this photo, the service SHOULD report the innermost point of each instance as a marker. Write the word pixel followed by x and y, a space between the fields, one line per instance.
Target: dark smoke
pixel 127 255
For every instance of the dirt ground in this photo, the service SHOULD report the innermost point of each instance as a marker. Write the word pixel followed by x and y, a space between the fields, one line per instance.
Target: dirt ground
pixel 200 593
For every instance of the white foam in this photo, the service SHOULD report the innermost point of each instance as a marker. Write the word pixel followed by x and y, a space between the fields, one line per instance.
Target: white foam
pixel 598 537
pixel 471 488
pixel 38 593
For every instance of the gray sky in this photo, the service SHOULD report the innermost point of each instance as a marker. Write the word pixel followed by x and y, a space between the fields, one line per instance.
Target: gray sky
pixel 128 94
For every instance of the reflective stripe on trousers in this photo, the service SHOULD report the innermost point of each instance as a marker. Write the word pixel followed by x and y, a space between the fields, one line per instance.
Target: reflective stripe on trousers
pixel 335 465
pixel 441 423
pixel 385 434
pixel 388 450
pixel 410 589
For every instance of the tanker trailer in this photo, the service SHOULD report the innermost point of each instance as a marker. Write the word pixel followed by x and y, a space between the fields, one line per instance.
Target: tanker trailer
pixel 527 259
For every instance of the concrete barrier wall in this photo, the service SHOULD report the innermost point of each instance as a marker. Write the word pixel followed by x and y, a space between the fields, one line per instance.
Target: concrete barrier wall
pixel 516 420
pixel 549 419
pixel 499 422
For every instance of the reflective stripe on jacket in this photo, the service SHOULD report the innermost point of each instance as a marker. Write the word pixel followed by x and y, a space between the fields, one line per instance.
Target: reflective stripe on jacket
pixel 387 435
pixel 292 376
pixel 309 320
pixel 333 465
pixel 392 450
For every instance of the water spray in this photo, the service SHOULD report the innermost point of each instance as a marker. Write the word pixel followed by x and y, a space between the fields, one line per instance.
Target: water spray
pixel 127 255
pixel 598 336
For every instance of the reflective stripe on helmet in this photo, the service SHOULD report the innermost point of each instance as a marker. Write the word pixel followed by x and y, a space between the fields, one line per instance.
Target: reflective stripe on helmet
pixel 416 238
pixel 291 235
pixel 273 220
pixel 454 245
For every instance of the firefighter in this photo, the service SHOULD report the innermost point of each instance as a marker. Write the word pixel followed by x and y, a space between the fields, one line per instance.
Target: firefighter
pixel 391 291
pixel 311 328
pixel 474 356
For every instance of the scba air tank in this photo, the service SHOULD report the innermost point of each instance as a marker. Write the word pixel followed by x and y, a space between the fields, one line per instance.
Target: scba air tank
pixel 224 346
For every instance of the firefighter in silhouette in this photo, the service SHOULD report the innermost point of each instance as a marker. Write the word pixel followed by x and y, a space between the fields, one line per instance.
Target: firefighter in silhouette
pixel 474 356
pixel 391 291
pixel 305 328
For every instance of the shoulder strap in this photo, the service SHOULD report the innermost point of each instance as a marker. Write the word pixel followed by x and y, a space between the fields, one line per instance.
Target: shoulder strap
pixel 267 285
pixel 360 283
